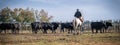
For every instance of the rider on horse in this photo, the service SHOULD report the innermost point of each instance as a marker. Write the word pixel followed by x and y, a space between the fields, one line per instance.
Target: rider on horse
pixel 78 15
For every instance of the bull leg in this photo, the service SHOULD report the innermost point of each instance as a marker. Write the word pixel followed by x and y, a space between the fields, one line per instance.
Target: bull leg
pixel 62 30
pixel 35 32
pixel 13 31
pixel 32 30
pixel 82 29
pixel 18 31
pixel 96 31
pixel 100 31
pixel 68 31
pixel 5 31
pixel 1 31
pixel 118 29
pixel 104 31
pixel 92 31
pixel 45 31
pixel 53 31
pixel 42 30
pixel 71 31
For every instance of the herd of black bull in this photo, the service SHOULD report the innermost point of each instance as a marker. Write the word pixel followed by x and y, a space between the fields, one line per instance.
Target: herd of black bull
pixel 14 27
pixel 44 26
pixel 52 26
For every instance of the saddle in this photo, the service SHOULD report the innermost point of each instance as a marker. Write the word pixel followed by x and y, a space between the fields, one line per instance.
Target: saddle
pixel 81 19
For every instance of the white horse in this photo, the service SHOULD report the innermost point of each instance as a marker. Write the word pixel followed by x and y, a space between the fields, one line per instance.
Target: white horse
pixel 77 23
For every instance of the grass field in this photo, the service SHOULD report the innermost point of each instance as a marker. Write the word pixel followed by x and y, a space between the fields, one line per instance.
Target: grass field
pixel 86 38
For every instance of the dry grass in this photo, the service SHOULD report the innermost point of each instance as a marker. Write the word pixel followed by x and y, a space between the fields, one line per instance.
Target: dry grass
pixel 87 38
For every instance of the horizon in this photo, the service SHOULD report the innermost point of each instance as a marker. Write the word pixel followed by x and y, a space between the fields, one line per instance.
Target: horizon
pixel 64 10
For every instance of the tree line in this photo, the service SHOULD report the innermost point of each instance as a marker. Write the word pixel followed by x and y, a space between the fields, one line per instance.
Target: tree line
pixel 24 15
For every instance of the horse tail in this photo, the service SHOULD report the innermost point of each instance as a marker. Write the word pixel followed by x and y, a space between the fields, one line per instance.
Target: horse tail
pixel 74 23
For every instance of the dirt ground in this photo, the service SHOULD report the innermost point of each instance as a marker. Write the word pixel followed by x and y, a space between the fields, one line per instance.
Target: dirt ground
pixel 86 38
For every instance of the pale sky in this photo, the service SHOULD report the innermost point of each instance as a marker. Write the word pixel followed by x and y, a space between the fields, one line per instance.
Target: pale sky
pixel 63 10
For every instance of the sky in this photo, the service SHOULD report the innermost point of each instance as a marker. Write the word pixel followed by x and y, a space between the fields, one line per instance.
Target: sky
pixel 64 10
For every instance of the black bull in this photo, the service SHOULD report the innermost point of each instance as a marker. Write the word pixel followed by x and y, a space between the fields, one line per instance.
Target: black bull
pixel 100 26
pixel 14 27
pixel 44 26
pixel 68 26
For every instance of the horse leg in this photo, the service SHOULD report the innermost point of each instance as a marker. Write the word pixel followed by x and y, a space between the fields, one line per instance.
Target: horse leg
pixel 74 26
pixel 77 28
pixel 80 29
